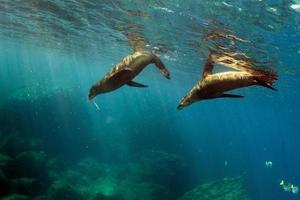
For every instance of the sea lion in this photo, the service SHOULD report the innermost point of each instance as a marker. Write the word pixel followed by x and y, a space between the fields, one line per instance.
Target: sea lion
pixel 130 66
pixel 214 85
pixel 125 71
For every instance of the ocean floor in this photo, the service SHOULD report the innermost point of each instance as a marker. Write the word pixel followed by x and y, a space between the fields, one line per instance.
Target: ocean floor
pixel 27 172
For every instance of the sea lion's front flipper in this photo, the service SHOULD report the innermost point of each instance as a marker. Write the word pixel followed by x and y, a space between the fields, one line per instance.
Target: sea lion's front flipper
pixel 121 74
pixel 135 84
pixel 231 96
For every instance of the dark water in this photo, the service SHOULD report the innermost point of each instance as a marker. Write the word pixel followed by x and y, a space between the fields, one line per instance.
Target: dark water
pixel 138 145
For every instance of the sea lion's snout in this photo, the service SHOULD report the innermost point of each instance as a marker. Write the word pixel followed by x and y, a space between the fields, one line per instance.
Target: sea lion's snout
pixel 91 96
pixel 92 93
pixel 184 102
pixel 180 106
pixel 166 73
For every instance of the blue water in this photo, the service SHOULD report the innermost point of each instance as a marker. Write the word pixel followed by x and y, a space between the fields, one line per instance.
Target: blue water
pixel 51 52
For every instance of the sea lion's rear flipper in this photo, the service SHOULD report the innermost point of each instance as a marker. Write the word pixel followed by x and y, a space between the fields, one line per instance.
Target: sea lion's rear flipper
pixel 160 65
pixel 231 96
pixel 135 84
pixel 208 67
pixel 266 78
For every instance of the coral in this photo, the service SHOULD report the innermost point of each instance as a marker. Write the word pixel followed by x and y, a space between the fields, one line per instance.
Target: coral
pixel 226 189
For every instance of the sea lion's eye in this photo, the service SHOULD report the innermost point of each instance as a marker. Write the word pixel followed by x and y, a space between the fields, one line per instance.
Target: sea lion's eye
pixel 92 90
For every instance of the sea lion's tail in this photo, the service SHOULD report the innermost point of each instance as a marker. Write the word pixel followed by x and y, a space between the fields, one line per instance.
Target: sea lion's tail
pixel 266 78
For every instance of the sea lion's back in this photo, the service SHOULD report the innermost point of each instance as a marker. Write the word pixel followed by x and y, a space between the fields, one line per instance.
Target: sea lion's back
pixel 228 80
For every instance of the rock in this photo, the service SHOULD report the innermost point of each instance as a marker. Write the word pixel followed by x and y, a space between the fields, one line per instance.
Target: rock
pixel 56 167
pixel 35 144
pixel 106 188
pixel 43 197
pixel 226 189
pixel 15 197
pixel 31 164
pixel 5 161
pixel 157 166
pixel 153 175
pixel 26 186
pixel 28 173
pixel 90 168
pixel 13 144
pixel 60 190
pixel 103 197
pixel 4 184
pixel 163 169
pixel 5 167
pixel 144 190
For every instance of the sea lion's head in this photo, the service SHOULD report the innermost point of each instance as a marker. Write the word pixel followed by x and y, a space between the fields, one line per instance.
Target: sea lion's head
pixel 194 95
pixel 94 91
pixel 185 101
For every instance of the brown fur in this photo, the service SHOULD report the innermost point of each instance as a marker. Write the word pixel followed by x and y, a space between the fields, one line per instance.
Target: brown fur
pixel 125 71
pixel 214 85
